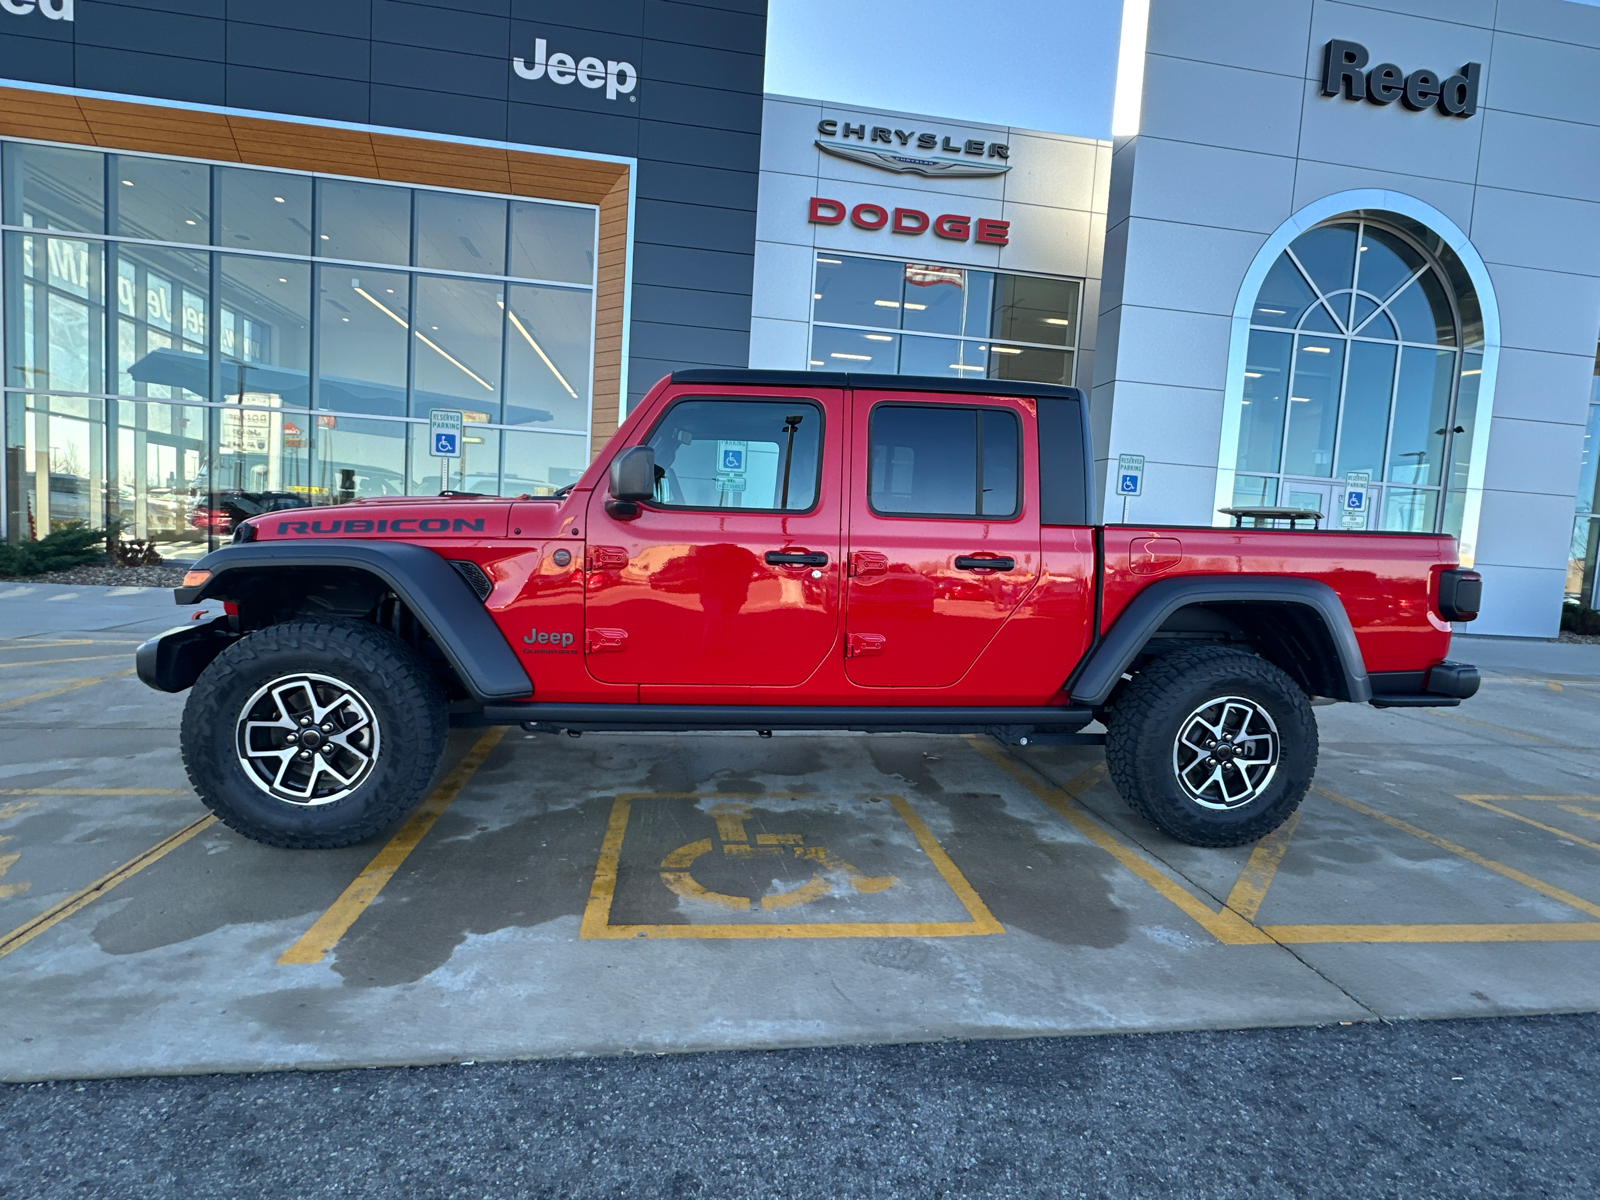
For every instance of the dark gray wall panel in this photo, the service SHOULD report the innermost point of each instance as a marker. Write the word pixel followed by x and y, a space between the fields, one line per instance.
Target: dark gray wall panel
pixel 444 67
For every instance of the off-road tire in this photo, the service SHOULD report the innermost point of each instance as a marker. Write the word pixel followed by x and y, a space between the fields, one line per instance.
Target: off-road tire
pixel 1144 726
pixel 409 707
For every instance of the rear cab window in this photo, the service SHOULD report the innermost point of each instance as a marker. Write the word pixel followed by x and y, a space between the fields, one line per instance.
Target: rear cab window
pixel 941 460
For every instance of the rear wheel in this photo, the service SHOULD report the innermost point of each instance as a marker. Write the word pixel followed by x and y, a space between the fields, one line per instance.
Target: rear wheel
pixel 314 734
pixel 1213 746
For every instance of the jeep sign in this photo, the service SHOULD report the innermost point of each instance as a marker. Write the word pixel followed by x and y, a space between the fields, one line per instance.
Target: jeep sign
pixel 618 78
pixel 1343 71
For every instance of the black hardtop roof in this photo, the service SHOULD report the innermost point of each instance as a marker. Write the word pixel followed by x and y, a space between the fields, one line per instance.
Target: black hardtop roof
pixel 737 376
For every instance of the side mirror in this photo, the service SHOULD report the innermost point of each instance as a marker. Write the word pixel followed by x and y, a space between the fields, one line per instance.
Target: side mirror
pixel 633 479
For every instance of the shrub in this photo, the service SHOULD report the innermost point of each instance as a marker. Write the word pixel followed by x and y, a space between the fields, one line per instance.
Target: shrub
pixel 1575 619
pixel 72 546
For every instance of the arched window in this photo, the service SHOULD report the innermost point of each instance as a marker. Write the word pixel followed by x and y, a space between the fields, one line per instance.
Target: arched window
pixel 1365 349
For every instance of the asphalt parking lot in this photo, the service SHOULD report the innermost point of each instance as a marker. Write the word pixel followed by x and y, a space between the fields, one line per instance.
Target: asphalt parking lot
pixel 646 893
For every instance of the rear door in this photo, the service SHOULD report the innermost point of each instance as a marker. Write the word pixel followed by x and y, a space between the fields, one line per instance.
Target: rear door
pixel 944 532
pixel 730 575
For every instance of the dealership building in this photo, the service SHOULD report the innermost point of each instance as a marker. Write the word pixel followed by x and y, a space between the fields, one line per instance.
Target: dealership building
pixel 1334 258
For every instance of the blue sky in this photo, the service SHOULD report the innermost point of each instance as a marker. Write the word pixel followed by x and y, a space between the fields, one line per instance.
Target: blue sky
pixel 1037 64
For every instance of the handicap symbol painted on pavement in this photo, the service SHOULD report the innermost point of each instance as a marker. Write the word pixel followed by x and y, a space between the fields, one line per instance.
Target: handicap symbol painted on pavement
pixel 730 819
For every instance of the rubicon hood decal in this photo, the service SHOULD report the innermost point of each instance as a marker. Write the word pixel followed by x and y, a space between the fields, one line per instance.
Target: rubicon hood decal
pixel 913 164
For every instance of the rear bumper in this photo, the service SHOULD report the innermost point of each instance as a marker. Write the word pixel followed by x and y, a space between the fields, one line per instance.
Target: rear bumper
pixel 1442 686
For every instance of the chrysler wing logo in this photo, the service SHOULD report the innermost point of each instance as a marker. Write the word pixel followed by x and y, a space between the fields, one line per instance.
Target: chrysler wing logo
pixel 914 164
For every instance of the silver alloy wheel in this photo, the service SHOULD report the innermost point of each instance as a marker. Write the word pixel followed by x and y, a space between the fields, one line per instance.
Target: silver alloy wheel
pixel 1226 752
pixel 307 739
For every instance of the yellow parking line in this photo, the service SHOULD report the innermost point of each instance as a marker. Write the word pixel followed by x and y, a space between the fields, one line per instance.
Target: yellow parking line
pixel 1578 812
pixel 1226 926
pixel 1250 889
pixel 1506 812
pixel 70 686
pixel 26 932
pixel 29 644
pixel 1546 931
pixel 1489 796
pixel 1450 716
pixel 332 925
pixel 1499 868
pixel 46 662
pixel 95 792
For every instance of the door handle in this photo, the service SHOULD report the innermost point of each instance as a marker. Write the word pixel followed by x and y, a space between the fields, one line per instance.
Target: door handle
pixel 795 558
pixel 969 562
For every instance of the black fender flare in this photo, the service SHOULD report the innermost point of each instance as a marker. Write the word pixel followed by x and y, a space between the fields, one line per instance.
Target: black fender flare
pixel 1095 677
pixel 442 602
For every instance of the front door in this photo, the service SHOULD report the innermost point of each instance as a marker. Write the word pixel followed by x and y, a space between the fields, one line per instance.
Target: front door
pixel 730 575
pixel 944 533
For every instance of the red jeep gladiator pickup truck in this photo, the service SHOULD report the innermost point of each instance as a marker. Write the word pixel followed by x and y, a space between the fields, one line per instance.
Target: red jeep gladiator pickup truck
pixel 761 550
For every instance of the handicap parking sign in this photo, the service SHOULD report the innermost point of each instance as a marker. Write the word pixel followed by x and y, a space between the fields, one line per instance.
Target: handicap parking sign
pixel 1130 474
pixel 733 458
pixel 444 433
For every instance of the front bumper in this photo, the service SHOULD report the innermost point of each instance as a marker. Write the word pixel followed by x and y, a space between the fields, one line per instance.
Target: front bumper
pixel 1444 685
pixel 172 661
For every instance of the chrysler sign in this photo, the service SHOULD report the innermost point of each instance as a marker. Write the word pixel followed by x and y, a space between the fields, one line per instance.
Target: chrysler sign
pixel 909 152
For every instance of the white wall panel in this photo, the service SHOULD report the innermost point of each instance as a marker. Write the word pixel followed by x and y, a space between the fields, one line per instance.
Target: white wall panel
pixel 781 212
pixel 788 129
pixel 1258 35
pixel 1051 241
pixel 1523 529
pixel 1551 233
pixel 1519 602
pixel 1190 267
pixel 1314 180
pixel 1457 12
pixel 1168 424
pixel 1538 386
pixel 1534 154
pixel 1051 172
pixel 1546 310
pixel 1221 106
pixel 1555 20
pixel 1210 185
pixel 1165 346
pixel 782 282
pixel 1174 494
pixel 1542 78
pixel 1539 457
pixel 778 345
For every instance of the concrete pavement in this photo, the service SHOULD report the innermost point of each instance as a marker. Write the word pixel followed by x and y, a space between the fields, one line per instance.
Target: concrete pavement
pixel 802 890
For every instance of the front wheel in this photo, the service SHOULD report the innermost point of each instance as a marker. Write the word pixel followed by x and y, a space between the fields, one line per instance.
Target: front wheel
pixel 1213 746
pixel 314 734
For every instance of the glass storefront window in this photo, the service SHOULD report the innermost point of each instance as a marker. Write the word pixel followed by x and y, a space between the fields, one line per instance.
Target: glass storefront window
pixel 258 210
pixel 1375 386
pixel 356 458
pixel 225 334
pixel 163 322
pixel 160 199
pixel 55 313
pixel 457 355
pixel 363 322
pixel 48 187
pixel 537 464
pixel 553 243
pixel 461 233
pixel 477 470
pixel 363 222
pixel 948 321
pixel 548 357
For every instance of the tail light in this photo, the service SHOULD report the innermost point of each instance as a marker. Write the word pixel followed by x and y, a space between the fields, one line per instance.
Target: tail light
pixel 1460 594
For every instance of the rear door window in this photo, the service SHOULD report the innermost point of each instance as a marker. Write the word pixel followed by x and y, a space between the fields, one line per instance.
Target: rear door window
pixel 760 455
pixel 940 460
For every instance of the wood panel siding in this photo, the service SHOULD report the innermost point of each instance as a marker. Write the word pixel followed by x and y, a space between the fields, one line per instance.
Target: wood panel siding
pixel 393 158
